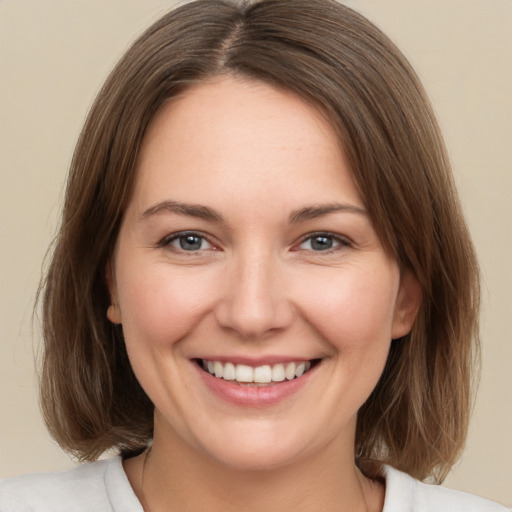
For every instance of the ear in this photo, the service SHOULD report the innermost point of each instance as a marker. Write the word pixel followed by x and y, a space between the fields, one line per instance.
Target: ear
pixel 407 304
pixel 113 311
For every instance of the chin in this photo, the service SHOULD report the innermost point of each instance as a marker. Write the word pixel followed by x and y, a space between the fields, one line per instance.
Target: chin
pixel 250 457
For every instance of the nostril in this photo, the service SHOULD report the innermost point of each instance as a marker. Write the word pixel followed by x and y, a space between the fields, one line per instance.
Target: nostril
pixel 252 302
pixel 252 323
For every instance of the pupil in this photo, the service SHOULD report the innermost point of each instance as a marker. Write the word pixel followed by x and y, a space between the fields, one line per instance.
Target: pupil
pixel 321 243
pixel 190 242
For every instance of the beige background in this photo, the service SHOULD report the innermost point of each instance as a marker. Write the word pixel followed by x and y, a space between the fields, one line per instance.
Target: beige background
pixel 54 54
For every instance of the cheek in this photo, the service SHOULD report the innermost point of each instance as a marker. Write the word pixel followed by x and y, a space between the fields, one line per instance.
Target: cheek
pixel 353 308
pixel 160 305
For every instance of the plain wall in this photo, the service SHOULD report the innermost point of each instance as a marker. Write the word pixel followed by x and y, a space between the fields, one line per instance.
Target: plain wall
pixel 54 55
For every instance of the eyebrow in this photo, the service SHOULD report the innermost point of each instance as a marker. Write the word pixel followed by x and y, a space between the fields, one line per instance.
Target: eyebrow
pixel 206 213
pixel 191 210
pixel 312 212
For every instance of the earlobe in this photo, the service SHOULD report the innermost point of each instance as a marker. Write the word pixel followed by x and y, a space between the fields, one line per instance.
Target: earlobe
pixel 113 311
pixel 407 305
pixel 113 314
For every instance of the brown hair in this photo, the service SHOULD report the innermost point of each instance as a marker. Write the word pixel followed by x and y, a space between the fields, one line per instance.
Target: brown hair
pixel 416 418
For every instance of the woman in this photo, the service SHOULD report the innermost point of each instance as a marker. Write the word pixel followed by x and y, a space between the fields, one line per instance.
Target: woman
pixel 263 294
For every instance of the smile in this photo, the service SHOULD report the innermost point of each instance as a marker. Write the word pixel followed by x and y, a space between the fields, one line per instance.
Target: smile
pixel 247 385
pixel 265 374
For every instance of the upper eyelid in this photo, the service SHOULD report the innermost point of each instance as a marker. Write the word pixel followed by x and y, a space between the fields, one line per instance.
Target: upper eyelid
pixel 343 239
pixel 343 242
pixel 174 236
pixel 336 236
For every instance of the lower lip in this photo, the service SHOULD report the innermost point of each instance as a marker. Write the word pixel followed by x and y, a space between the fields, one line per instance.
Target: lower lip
pixel 254 396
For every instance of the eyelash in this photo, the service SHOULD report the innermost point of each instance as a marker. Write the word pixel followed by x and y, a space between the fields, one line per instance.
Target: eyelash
pixel 339 241
pixel 168 240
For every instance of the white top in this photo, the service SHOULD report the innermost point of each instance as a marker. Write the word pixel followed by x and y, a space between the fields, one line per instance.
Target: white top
pixel 103 487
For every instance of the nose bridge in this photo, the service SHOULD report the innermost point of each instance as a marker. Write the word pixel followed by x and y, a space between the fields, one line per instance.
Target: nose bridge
pixel 255 301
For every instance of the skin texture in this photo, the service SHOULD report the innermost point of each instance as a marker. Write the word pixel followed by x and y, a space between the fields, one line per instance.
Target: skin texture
pixel 256 285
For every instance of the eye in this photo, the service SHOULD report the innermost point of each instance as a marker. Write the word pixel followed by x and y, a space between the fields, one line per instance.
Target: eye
pixel 322 242
pixel 187 241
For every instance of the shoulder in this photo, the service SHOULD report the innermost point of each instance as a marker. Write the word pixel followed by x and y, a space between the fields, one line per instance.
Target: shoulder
pixel 100 486
pixel 405 494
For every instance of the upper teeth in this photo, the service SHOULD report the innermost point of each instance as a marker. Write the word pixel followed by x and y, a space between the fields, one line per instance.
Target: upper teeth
pixel 261 374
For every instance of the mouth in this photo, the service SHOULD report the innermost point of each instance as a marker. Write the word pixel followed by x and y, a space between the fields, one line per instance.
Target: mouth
pixel 257 376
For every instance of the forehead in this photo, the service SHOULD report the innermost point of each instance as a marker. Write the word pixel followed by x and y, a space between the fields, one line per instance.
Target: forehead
pixel 237 134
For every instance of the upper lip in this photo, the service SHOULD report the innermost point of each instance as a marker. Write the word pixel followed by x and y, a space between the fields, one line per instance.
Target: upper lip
pixel 257 361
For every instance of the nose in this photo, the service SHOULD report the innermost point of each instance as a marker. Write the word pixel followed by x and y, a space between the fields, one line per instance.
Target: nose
pixel 254 299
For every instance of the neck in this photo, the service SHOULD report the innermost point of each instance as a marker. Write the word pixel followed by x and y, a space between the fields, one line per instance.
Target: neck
pixel 175 476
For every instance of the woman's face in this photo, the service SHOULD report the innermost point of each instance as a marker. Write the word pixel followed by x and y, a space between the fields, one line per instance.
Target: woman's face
pixel 246 252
